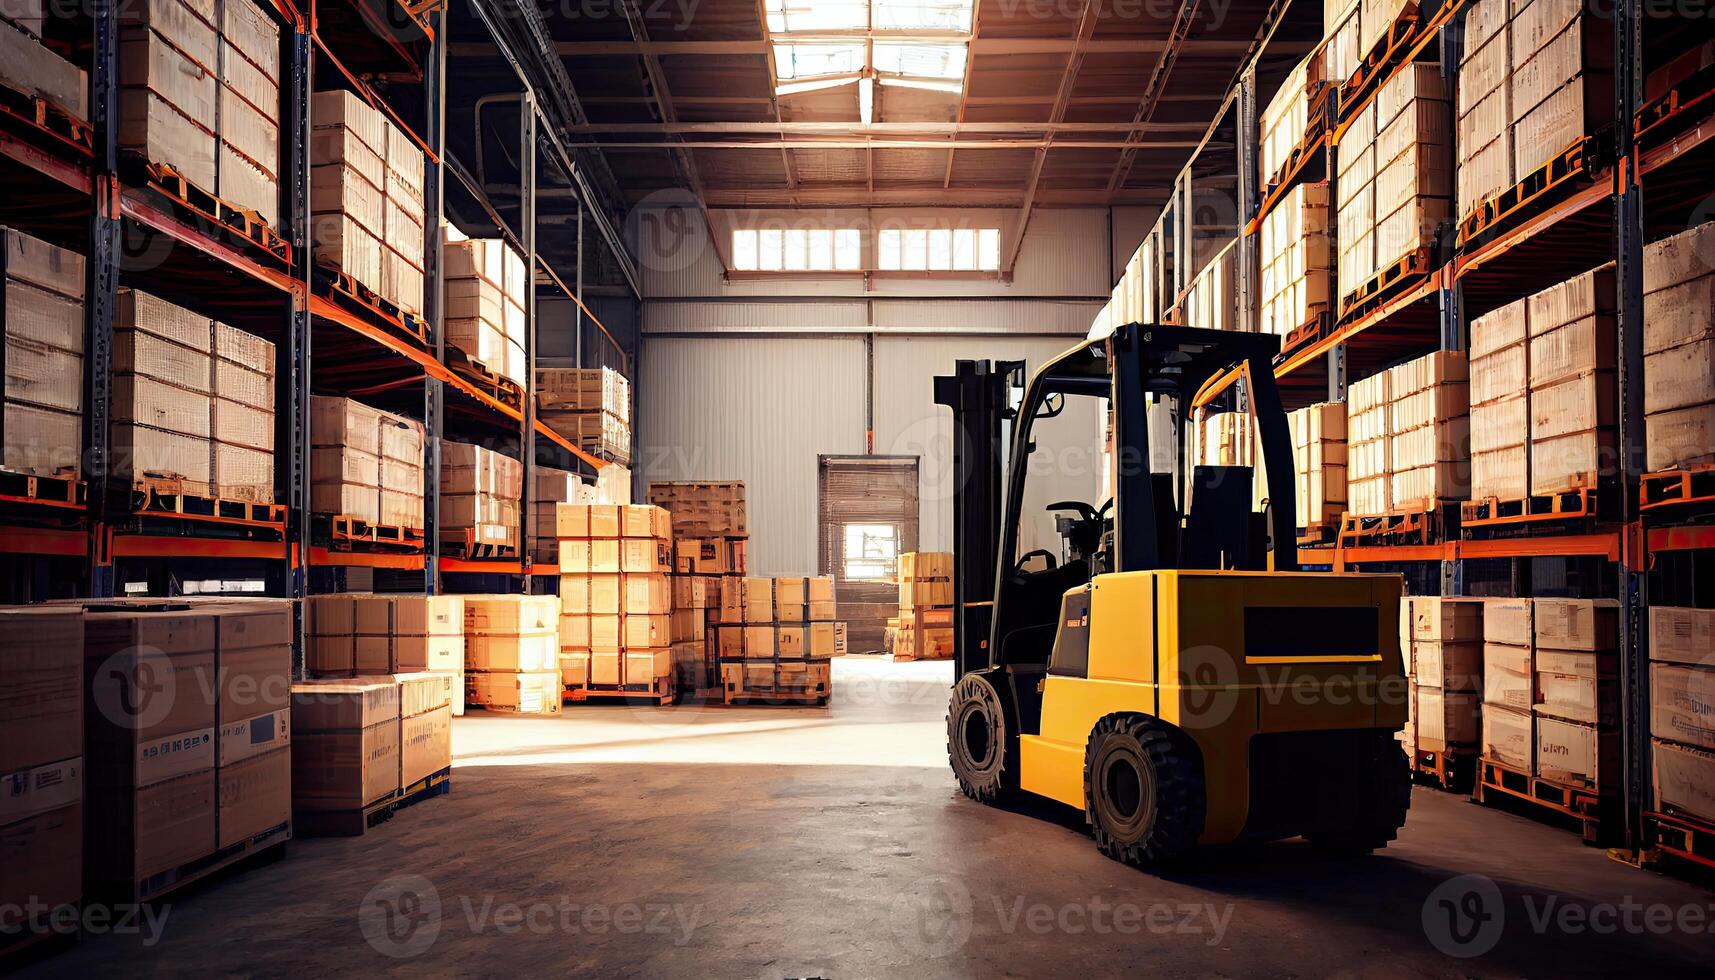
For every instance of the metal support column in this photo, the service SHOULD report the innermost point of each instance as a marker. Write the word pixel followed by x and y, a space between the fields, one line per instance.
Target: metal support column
pixel 578 284
pixel 101 287
pixel 527 234
pixel 1248 201
pixel 1450 38
pixel 292 462
pixel 1633 580
pixel 1337 375
pixel 434 198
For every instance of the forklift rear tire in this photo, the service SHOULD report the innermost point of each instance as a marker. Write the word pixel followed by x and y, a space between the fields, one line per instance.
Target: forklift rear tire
pixel 981 747
pixel 1143 790
pixel 1384 798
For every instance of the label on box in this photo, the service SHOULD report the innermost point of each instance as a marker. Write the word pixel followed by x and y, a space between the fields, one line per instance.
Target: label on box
pixel 240 740
pixel 174 755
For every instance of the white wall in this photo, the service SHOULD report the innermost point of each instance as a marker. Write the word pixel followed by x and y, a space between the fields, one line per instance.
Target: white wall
pixel 752 379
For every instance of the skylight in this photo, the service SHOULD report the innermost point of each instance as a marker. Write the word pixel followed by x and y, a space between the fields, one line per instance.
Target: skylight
pixel 830 43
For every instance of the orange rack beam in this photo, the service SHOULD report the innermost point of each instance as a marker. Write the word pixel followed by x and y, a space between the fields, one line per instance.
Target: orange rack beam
pixel 483 566
pixel 64 543
pixel 161 546
pixel 367 559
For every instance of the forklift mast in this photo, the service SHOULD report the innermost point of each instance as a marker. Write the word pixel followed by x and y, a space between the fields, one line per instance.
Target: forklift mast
pixel 981 395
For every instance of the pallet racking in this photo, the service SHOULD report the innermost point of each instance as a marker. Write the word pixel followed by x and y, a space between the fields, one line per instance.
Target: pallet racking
pixel 1598 200
pixel 144 226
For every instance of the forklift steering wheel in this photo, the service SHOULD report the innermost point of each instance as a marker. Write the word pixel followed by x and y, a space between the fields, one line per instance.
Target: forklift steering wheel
pixel 1053 562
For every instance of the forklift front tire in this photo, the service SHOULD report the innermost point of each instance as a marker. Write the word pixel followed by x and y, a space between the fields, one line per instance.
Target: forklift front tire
pixel 981 747
pixel 1143 790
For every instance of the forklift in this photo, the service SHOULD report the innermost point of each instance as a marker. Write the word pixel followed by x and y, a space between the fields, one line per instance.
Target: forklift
pixel 1172 673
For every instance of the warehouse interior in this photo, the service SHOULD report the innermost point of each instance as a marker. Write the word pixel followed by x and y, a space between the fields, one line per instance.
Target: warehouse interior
pixel 863 487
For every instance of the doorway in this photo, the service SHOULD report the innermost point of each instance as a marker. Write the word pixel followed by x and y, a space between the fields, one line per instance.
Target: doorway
pixel 867 517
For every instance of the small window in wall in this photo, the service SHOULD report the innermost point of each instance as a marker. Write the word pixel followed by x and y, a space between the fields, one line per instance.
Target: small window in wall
pixel 796 249
pixel 938 249
pixel 872 551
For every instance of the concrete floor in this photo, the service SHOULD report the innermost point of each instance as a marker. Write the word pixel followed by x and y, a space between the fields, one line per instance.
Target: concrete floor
pixel 757 842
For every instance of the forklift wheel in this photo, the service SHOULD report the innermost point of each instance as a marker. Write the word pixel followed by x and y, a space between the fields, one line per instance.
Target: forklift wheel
pixel 1143 790
pixel 1385 796
pixel 981 751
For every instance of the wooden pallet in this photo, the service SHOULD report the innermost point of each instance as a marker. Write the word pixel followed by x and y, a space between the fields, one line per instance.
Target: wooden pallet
pixel 64 491
pixel 40 938
pixel 485 379
pixel 264 846
pixel 1683 837
pixel 1311 331
pixel 168 496
pixel 355 823
pixel 1454 770
pixel 1656 124
pixel 1379 61
pixel 663 690
pixel 1565 173
pixel 344 532
pixel 1584 806
pixel 345 289
pixel 1688 488
pixel 197 202
pixel 1484 518
pixel 1400 277
pixel 1420 525
pixel 50 118
pixel 462 544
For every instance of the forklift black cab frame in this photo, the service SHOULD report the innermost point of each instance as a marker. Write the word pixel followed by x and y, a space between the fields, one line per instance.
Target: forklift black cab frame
pixel 1149 531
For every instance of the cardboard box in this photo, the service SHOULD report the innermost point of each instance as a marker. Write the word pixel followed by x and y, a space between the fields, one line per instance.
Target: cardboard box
pixel 1682 704
pixel 41 677
pixel 645 631
pixel 1577 686
pixel 345 770
pixel 1569 752
pixel 525 693
pixel 1445 718
pixel 1509 677
pixel 511 615
pixel 1684 780
pixel 425 745
pixel 1509 737
pixel 643 667
pixel 1452 666
pixel 1682 635
pixel 254 796
pixel 1509 621
pixel 606 668
pixel 687 625
pixel 246 738
pixel 149 671
pixel 46 863
pixel 1576 624
pixel 575 668
pixel 1448 620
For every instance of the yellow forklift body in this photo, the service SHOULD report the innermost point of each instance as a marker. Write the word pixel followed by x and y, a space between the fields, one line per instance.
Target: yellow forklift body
pixel 1223 656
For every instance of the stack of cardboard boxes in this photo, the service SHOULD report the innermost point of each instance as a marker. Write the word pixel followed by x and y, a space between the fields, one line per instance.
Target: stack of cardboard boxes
pixel 615 630
pixel 365 463
pixel 1377 17
pixel 28 66
pixel 1445 673
pixel 774 637
pixel 41 314
pixel 924 629
pixel 1285 119
pixel 362 634
pixel 1368 489
pixel 192 402
pixel 484 285
pixel 1576 662
pixel 480 494
pixel 1682 711
pixel 1556 430
pixel 1395 182
pixel 695 596
pixel 187 737
pixel 1679 350
pixel 1561 78
pixel 1319 460
pixel 589 406
pixel 199 92
pixel 346 751
pixel 1297 259
pixel 41 762
pixel 710 539
pixel 550 487
pixel 366 198
pixel 1509 682
pixel 511 653
pixel 1342 26
pixel 1485 133
pixel 1429 431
